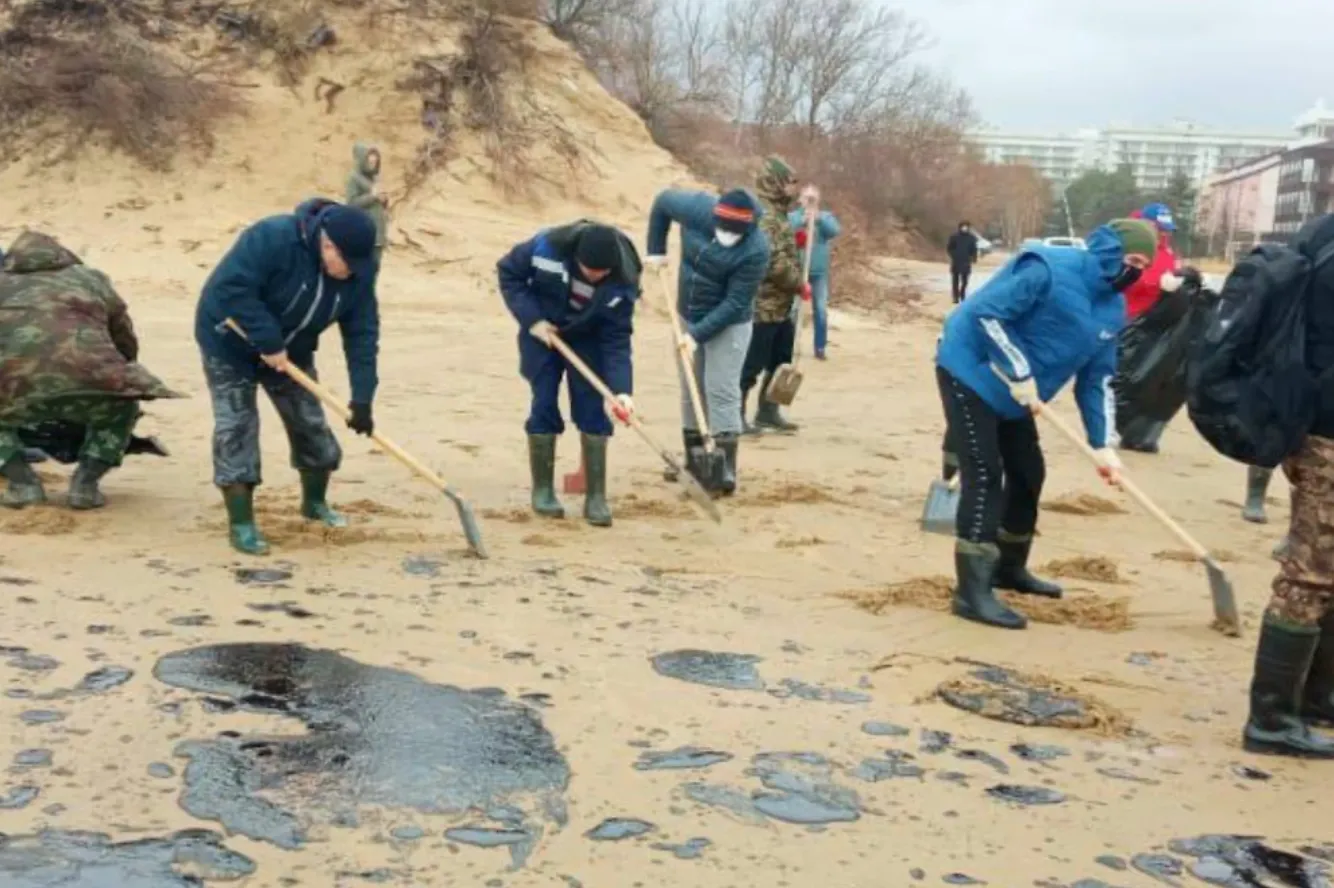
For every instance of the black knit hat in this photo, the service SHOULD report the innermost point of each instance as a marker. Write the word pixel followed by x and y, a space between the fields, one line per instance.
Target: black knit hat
pixel 736 211
pixel 352 231
pixel 598 248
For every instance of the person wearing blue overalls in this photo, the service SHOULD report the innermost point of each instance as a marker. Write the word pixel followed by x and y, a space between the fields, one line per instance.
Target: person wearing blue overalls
pixel 580 282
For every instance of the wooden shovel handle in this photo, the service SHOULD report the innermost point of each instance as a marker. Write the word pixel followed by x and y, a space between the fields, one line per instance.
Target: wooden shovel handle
pixel 326 397
pixel 811 218
pixel 687 366
pixel 601 388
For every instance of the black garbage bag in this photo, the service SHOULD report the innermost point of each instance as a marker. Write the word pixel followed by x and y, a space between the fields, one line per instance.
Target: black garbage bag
pixel 62 442
pixel 1150 381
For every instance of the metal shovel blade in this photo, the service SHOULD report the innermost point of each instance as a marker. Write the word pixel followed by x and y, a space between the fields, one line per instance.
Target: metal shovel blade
pixel 693 489
pixel 942 506
pixel 784 386
pixel 472 531
pixel 1226 618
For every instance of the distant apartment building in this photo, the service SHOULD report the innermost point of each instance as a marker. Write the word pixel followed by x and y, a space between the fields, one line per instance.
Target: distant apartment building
pixel 1155 155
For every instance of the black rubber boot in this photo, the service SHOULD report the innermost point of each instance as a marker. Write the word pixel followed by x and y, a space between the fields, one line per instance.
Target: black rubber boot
pixel 23 487
pixel 974 598
pixel 542 465
pixel 727 443
pixel 1012 572
pixel 747 427
pixel 84 493
pixel 1281 550
pixel 1282 664
pixel 1318 699
pixel 769 417
pixel 1257 485
pixel 314 500
pixel 596 510
pixel 241 528
pixel 691 441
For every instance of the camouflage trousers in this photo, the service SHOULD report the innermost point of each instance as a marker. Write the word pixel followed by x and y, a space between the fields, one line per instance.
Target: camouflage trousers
pixel 109 421
pixel 1304 587
pixel 236 454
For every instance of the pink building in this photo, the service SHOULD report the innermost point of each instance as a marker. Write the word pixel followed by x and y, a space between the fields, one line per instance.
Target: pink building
pixel 1236 207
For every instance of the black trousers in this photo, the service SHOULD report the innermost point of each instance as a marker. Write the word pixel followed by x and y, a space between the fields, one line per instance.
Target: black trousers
pixel 771 347
pixel 1001 469
pixel 959 283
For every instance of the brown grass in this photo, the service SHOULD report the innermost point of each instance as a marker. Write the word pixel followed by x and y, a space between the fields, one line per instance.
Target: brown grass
pixel 1083 611
pixel 110 89
pixel 1097 570
pixel 1083 504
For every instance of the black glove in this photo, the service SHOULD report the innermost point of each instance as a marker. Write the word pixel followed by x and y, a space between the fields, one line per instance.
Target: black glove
pixel 1191 275
pixel 361 421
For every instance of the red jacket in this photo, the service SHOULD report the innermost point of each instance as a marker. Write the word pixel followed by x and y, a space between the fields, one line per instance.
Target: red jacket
pixel 1142 295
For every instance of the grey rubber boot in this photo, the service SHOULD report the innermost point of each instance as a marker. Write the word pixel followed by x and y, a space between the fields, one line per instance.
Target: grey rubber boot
pixel 23 487
pixel 727 443
pixel 1012 572
pixel 691 441
pixel 1283 660
pixel 542 465
pixel 974 598
pixel 1257 485
pixel 84 493
pixel 769 417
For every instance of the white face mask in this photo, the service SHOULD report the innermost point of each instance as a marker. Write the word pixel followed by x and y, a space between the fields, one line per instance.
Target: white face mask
pixel 726 238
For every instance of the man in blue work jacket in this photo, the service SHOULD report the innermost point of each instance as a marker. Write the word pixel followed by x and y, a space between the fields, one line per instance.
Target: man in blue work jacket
pixel 286 280
pixel 1049 316
pixel 580 282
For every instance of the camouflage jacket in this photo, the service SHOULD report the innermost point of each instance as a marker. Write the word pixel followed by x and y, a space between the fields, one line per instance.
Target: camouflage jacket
pixel 63 332
pixel 782 282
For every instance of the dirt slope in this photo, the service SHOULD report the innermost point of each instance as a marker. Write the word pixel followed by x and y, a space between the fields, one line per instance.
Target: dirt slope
pixel 570 615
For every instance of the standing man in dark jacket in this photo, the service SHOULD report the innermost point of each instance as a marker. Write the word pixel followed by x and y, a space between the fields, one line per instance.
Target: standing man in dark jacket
pixel 286 280
pixel 962 249
pixel 724 257
pixel 1049 316
pixel 580 281
pixel 774 337
pixel 1293 684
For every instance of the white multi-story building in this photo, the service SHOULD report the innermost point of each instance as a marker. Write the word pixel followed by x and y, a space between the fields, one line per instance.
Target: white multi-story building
pixel 1155 154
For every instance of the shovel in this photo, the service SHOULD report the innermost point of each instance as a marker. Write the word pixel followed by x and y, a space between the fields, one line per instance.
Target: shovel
pixel 942 506
pixel 786 381
pixel 710 465
pixel 697 494
pixel 471 530
pixel 1226 618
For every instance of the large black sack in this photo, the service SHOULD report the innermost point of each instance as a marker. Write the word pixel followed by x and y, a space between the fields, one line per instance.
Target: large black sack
pixel 1150 381
pixel 62 442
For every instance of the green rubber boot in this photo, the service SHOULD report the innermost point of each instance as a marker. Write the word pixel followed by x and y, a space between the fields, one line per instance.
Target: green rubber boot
pixel 84 493
pixel 596 510
pixel 241 528
pixel 23 487
pixel 314 503
pixel 542 465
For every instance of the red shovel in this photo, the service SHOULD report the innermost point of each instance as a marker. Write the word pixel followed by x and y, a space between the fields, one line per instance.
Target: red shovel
pixel 575 482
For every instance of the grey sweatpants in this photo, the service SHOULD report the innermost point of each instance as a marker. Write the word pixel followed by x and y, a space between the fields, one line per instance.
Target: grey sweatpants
pixel 718 364
pixel 236 423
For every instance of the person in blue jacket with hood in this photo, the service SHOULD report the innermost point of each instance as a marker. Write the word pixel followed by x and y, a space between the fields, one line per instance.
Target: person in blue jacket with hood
pixel 826 230
pixel 724 258
pixel 580 282
pixel 286 280
pixel 1052 314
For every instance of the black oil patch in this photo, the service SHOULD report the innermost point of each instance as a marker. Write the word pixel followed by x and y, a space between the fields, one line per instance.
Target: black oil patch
pixel 1008 696
pixel 690 849
pixel 1025 795
pixel 884 729
pixel 895 764
pixel 682 758
pixel 41 716
pixel 1245 861
pixel 791 687
pixel 22 658
pixel 421 566
pixel 261 576
pixel 59 859
pixel 289 608
pixel 104 679
pixel 1163 867
pixel 376 736
pixel 734 672
pixel 798 788
pixel 32 758
pixel 614 829
pixel 1037 752
pixel 18 797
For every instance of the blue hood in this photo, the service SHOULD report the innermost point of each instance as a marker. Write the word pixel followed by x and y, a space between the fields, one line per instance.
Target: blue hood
pixel 309 217
pixel 1105 248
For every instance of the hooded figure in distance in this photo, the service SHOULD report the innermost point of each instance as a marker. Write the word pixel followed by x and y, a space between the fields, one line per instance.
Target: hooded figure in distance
pixel 363 190
pixel 1049 316
pixel 68 354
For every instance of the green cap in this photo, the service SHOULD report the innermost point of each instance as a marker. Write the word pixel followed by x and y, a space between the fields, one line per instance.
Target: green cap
pixel 1136 236
pixel 778 168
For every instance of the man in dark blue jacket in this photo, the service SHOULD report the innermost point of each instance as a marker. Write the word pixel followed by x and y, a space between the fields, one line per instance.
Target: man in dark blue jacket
pixel 1049 316
pixel 581 282
pixel 724 258
pixel 286 280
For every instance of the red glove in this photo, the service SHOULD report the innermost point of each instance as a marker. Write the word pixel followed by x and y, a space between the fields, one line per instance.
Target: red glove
pixel 806 292
pixel 801 238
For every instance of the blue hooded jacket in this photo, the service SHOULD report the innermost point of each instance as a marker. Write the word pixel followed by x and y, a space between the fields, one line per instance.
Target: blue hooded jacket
pixel 717 285
pixel 273 284
pixel 538 281
pixel 1051 315
pixel 826 229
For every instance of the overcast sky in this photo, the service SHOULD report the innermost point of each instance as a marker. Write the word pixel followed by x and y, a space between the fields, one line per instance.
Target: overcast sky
pixel 1066 64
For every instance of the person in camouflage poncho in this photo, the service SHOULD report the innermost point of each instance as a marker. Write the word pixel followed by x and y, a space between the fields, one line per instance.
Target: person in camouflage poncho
pixel 775 331
pixel 67 352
